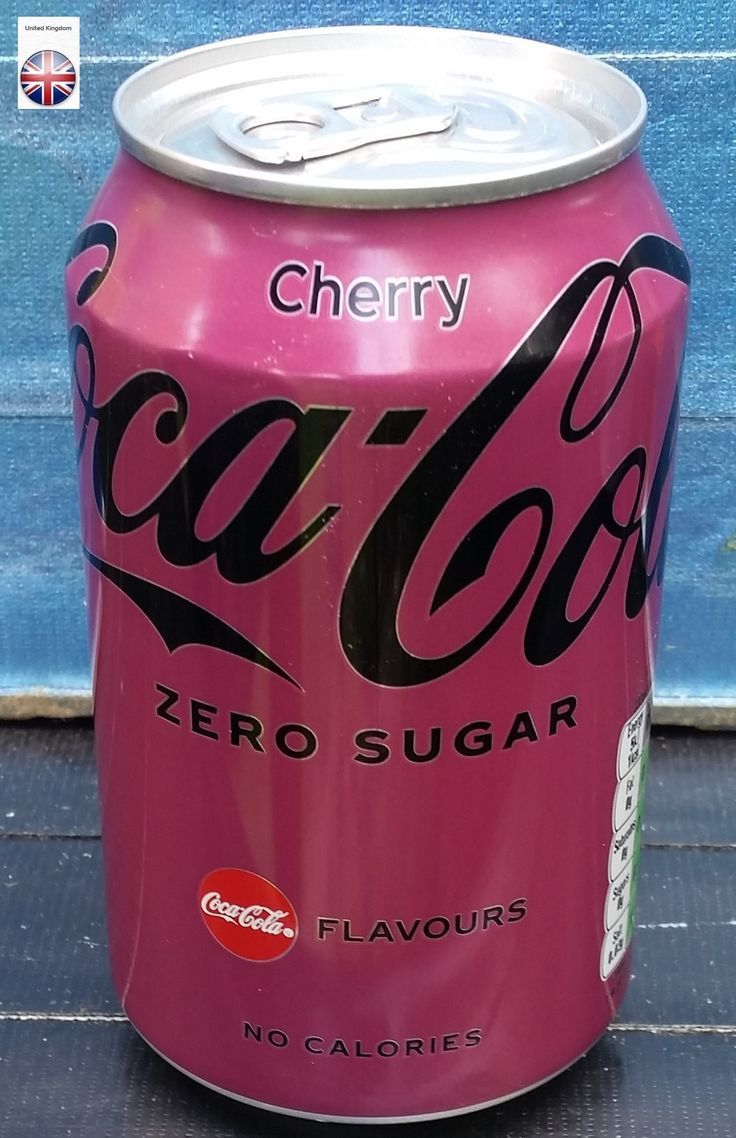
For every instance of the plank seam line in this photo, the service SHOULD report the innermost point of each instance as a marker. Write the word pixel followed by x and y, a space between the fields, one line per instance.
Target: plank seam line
pixel 686 924
pixel 673 1029
pixel 60 415
pixel 615 1029
pixel 626 56
pixel 26 837
pixel 63 1017
pixel 101 58
pixel 673 56
pixel 710 847
pixel 34 836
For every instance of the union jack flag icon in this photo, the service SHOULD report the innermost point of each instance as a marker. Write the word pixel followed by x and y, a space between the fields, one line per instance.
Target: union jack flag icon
pixel 48 78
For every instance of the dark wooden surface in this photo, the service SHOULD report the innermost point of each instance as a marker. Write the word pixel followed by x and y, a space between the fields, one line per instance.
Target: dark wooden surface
pixel 70 1064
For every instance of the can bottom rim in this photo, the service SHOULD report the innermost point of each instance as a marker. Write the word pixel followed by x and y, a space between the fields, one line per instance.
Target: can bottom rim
pixel 372 1119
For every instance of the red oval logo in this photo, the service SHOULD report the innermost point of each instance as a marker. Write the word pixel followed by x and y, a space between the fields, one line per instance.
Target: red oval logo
pixel 247 915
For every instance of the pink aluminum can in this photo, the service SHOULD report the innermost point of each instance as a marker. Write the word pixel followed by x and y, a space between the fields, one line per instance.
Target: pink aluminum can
pixel 376 336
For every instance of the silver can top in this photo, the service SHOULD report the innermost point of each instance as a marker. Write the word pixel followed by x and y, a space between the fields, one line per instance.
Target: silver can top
pixel 380 117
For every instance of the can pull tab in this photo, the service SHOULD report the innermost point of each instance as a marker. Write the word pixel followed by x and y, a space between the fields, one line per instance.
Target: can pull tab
pixel 280 132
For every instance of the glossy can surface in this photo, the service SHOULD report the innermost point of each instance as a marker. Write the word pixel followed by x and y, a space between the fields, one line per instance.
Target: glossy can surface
pixel 374 507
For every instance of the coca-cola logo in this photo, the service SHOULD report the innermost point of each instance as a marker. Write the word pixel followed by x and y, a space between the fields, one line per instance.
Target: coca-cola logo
pixel 247 914
pixel 625 513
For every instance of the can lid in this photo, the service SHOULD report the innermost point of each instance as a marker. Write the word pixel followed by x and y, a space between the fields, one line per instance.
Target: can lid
pixel 380 117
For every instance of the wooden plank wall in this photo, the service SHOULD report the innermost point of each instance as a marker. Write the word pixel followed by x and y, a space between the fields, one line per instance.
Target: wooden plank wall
pixel 682 52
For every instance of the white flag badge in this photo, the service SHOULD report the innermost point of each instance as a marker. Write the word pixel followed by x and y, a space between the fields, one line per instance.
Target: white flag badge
pixel 48 63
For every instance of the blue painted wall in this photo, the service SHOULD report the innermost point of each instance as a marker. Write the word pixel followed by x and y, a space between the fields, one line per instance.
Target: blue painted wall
pixel 684 56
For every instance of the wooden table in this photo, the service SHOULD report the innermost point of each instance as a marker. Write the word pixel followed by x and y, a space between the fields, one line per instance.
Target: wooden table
pixel 70 1064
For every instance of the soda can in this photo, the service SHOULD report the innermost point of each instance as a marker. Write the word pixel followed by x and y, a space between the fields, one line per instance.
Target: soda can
pixel 375 336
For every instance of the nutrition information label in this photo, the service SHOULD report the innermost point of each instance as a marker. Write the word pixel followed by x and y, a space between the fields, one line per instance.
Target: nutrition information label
pixel 623 857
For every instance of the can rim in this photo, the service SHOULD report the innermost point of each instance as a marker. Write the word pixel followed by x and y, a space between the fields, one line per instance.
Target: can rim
pixel 433 191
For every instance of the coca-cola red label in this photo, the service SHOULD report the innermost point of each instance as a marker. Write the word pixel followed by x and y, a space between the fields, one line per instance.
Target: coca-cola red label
pixel 247 915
